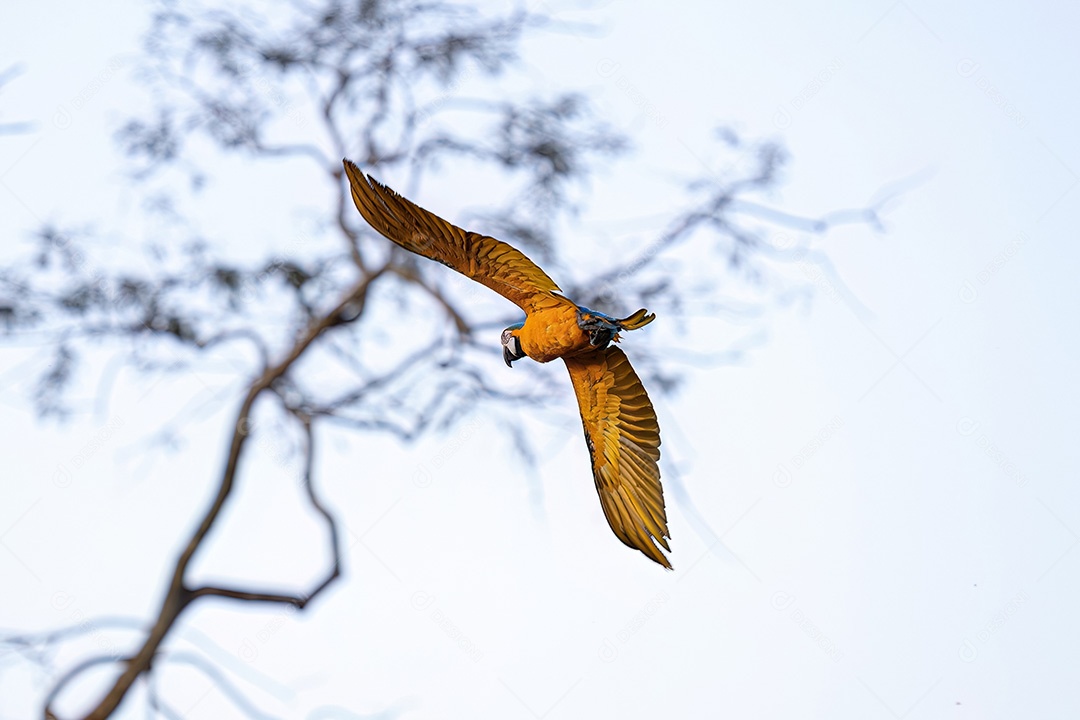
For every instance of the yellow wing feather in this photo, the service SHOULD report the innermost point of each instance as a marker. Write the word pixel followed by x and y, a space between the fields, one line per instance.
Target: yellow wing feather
pixel 489 261
pixel 624 443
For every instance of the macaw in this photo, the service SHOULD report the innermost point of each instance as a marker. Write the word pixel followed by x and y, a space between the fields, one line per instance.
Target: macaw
pixel 620 425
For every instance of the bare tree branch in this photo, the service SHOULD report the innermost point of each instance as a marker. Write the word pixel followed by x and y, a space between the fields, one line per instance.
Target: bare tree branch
pixel 299 601
pixel 178 596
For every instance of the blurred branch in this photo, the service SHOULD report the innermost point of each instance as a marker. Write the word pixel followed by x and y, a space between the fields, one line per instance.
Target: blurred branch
pixel 71 675
pixel 818 225
pixel 220 680
pixel 13 128
pixel 157 705
pixel 49 637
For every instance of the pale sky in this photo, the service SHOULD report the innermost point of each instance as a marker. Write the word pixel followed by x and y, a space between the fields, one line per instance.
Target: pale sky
pixel 895 486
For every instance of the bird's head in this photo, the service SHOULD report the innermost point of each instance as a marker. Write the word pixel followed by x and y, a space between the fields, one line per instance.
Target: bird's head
pixel 511 344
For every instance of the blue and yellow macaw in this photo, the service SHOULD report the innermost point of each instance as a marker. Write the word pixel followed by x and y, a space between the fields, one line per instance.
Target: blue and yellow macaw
pixel 620 424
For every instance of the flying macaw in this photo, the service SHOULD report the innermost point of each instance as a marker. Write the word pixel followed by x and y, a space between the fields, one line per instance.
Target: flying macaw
pixel 620 424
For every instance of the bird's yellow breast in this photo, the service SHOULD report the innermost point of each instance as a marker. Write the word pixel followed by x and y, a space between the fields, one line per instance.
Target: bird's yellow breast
pixel 552 332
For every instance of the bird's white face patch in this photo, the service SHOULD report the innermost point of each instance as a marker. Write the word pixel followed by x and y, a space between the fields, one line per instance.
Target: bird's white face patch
pixel 511 343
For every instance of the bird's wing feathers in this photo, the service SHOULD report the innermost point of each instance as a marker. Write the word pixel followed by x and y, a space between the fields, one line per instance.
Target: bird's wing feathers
pixel 486 260
pixel 624 442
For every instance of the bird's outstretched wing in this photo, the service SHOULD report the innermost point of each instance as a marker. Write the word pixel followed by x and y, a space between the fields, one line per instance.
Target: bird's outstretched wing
pixel 486 260
pixel 624 442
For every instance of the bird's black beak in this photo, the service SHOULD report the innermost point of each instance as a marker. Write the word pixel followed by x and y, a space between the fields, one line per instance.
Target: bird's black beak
pixel 508 356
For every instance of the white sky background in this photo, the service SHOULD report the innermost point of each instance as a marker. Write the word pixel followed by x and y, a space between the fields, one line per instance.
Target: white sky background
pixel 920 563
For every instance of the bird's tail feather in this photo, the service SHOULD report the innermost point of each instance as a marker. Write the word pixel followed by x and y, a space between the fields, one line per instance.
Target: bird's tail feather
pixel 639 319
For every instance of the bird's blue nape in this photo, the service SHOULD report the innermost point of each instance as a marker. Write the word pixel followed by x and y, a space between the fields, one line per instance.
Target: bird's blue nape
pixel 582 310
pixel 600 328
